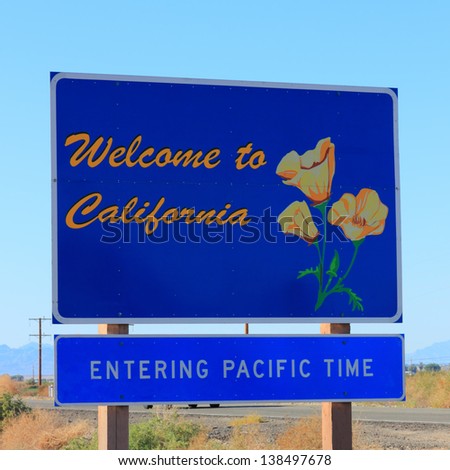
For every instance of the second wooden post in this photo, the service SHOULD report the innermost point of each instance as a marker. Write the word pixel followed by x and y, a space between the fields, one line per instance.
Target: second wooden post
pixel 336 416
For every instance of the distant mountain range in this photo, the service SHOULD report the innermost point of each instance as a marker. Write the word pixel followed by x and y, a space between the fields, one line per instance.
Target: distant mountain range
pixel 437 352
pixel 24 360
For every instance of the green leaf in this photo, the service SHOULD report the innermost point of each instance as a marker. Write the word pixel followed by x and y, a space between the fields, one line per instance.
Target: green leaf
pixel 307 272
pixel 334 265
pixel 353 299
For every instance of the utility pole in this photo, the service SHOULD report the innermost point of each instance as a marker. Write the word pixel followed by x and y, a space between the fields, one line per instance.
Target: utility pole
pixel 40 335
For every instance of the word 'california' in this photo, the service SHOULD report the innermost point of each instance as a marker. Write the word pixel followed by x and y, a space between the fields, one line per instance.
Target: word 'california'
pixel 88 210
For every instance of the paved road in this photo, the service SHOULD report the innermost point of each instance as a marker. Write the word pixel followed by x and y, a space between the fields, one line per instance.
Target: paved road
pixel 298 410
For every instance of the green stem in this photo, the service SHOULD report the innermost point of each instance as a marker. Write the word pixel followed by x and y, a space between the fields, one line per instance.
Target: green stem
pixel 322 209
pixel 316 244
pixel 356 244
pixel 328 285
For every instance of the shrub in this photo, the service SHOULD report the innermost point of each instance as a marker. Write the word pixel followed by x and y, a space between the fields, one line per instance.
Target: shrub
pixel 433 367
pixel 159 433
pixel 167 432
pixel 17 378
pixel 11 407
pixel 82 443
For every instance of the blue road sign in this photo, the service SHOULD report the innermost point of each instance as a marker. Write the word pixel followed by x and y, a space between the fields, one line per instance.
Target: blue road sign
pixel 121 370
pixel 211 201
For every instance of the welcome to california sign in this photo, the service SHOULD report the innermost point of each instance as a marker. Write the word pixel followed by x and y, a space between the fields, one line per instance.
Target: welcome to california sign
pixel 201 201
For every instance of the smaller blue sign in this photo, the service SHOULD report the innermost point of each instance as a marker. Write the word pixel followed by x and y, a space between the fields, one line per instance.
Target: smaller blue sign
pixel 121 369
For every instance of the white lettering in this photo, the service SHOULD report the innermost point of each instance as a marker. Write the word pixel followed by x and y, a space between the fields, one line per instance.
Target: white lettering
pixel 243 369
pixel 352 369
pixel 128 363
pixel 270 368
pixel 112 370
pixel 186 369
pixel 145 369
pixel 328 363
pixel 302 372
pixel 95 369
pixel 366 367
pixel 228 365
pixel 258 375
pixel 348 367
pixel 280 366
pixel 142 369
pixel 160 368
pixel 202 372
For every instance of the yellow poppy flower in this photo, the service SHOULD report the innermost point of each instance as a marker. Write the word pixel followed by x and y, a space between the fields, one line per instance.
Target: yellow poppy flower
pixel 311 172
pixel 297 220
pixel 359 216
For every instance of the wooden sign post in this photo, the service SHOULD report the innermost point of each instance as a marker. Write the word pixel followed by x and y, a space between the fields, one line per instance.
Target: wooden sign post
pixel 113 421
pixel 336 416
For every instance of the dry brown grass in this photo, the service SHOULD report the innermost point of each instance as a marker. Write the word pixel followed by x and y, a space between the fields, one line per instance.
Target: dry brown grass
pixel 203 442
pixel 249 436
pixel 245 420
pixel 43 430
pixel 424 390
pixel 428 390
pixel 305 434
pixel 42 391
pixel 246 433
pixel 7 385
pixel 40 430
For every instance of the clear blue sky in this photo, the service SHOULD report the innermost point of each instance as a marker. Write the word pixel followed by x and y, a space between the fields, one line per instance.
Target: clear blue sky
pixel 382 44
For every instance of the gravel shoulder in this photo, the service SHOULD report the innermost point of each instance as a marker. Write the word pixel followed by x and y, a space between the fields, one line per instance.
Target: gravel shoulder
pixel 367 434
